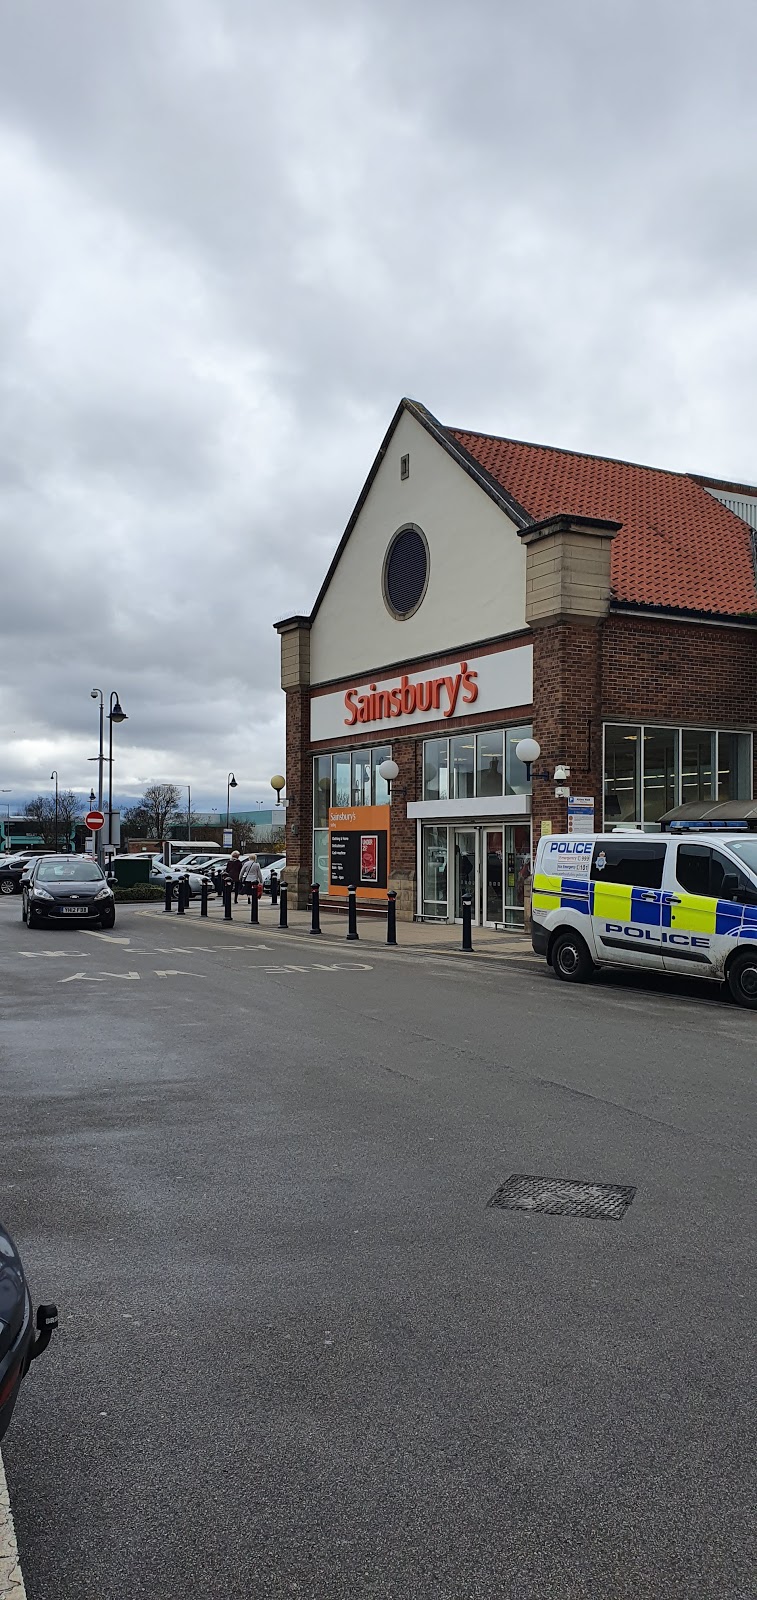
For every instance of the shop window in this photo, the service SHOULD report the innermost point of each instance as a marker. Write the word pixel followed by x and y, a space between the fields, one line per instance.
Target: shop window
pixel 361 778
pixel 434 869
pixel 630 861
pixel 436 769
pixel 622 772
pixel 381 790
pixel 660 771
pixel 462 766
pixel 516 779
pixel 489 763
pixel 734 766
pixel 321 791
pixel 321 858
pixel 697 764
pixel 342 779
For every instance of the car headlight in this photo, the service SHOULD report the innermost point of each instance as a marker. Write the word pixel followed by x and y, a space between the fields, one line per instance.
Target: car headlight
pixel 42 894
pixel 104 894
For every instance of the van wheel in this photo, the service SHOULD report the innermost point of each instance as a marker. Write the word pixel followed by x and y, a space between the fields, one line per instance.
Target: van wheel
pixel 742 979
pixel 570 958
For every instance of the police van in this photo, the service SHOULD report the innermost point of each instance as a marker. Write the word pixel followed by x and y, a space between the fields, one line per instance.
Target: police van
pixel 658 902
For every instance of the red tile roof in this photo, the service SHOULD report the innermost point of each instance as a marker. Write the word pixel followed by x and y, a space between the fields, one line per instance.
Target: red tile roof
pixel 678 547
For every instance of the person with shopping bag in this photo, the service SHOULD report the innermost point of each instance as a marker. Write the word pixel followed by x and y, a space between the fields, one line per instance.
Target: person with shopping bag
pixel 251 877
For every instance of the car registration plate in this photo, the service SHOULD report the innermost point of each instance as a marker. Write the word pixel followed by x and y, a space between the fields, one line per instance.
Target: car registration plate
pixel 73 911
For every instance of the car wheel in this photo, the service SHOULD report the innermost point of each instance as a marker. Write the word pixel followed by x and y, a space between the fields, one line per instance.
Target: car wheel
pixel 23 908
pixel 570 958
pixel 742 979
pixel 108 919
pixel 32 920
pixel 7 886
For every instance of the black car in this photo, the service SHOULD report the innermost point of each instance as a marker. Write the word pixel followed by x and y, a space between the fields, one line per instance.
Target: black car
pixel 67 889
pixel 19 1344
pixel 10 873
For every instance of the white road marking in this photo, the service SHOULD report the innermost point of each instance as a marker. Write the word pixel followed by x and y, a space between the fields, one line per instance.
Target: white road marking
pixel 110 938
pixel 11 1577
pixel 82 977
pixel 33 955
pixel 175 973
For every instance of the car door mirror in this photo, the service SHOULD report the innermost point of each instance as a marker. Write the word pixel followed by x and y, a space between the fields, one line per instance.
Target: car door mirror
pixel 729 888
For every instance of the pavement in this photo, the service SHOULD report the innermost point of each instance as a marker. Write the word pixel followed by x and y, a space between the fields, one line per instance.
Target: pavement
pixel 299 1354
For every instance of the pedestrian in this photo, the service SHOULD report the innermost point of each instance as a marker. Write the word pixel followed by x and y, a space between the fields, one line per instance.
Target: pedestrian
pixel 251 876
pixel 233 871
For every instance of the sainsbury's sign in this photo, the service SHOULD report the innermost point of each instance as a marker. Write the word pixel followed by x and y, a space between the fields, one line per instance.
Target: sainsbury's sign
pixel 492 682
pixel 433 694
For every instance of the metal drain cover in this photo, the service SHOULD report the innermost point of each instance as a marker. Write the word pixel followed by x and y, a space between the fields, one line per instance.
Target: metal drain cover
pixel 564 1197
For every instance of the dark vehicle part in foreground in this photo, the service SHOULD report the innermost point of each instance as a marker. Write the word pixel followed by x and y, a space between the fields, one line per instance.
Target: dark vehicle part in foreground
pixel 22 1339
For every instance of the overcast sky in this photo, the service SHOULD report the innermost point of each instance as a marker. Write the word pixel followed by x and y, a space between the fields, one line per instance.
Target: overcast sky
pixel 232 236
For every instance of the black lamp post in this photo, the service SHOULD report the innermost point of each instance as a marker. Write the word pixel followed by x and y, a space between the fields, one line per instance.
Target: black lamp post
pixel 115 714
pixel 54 774
pixel 231 783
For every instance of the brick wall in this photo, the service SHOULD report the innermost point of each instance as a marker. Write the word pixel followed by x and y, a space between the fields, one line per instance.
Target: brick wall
pixel 631 669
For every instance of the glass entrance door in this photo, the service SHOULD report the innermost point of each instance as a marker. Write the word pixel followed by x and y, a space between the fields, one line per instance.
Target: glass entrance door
pixel 517 869
pixel 465 870
pixel 493 864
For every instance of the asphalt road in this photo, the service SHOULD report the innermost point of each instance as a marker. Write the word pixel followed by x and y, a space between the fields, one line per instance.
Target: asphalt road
pixel 298 1354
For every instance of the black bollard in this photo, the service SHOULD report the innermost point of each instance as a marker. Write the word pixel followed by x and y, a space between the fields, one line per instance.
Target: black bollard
pixel 274 889
pixel 283 907
pixel 315 905
pixel 182 884
pixel 467 916
pixel 169 892
pixel 204 898
pixel 391 917
pixel 254 905
pixel 227 900
pixel 352 932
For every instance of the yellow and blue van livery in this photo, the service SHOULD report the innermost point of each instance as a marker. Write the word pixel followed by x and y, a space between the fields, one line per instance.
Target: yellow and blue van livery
pixel 663 902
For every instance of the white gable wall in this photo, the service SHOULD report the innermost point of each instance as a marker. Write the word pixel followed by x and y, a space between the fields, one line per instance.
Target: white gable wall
pixel 477 583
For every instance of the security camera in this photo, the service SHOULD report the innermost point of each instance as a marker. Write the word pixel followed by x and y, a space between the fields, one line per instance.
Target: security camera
pixel 562 774
pixel 93 693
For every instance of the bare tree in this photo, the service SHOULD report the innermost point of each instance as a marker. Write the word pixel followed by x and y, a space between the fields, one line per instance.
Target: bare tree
pixel 42 811
pixel 160 802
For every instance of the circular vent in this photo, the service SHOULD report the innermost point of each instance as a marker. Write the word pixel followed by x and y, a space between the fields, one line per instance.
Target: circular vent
pixel 406 572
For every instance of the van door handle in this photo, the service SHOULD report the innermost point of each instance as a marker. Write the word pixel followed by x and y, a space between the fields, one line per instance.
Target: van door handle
pixel 671 899
pixel 649 894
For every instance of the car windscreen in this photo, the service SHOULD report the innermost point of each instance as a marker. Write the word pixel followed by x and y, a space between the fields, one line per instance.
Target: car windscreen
pixel 747 850
pixel 68 872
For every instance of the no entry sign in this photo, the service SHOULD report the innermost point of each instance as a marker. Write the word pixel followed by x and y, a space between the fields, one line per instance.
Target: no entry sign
pixel 94 820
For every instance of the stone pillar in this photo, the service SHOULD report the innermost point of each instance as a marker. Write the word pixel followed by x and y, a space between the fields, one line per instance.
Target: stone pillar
pixel 295 681
pixel 567 601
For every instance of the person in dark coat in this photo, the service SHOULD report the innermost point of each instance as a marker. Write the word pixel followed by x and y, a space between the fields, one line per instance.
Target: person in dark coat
pixel 233 871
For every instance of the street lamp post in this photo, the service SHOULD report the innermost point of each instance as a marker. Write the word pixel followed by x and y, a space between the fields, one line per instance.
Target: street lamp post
pixel 7 804
pixel 115 714
pixel 94 694
pixel 54 774
pixel 231 783
pixel 189 813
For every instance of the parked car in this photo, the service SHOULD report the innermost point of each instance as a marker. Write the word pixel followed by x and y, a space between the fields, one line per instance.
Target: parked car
pixel 20 1344
pixel 11 871
pixel 67 889
pixel 161 874
pixel 278 866
pixel 204 862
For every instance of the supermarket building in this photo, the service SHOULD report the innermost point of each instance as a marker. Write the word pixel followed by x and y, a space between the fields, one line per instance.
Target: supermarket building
pixel 486 590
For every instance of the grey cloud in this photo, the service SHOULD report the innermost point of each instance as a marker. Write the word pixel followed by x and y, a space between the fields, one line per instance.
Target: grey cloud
pixel 234 236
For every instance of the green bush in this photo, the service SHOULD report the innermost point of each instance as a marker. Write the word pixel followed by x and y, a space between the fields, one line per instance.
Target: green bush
pixel 140 891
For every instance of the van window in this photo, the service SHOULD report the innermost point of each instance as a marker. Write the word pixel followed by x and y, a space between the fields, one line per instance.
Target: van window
pixel 700 870
pixel 630 861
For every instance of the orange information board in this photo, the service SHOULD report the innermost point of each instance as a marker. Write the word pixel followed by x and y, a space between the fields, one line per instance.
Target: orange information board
pixel 359 850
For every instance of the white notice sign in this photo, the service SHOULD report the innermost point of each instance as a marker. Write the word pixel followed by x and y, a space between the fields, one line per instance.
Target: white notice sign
pixel 581 813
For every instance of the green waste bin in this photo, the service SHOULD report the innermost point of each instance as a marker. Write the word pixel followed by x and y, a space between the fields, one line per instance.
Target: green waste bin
pixel 129 870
